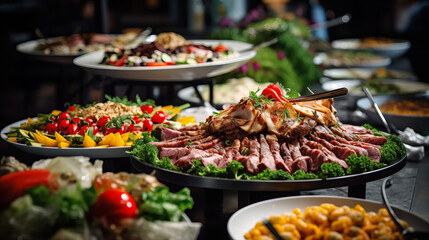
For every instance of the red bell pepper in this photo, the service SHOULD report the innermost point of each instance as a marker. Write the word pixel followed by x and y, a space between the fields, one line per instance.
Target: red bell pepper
pixel 13 185
pixel 271 93
pixel 121 61
pixel 159 64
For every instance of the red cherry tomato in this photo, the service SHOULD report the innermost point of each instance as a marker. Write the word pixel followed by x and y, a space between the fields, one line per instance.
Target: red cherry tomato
pixel 94 129
pixel 63 125
pixel 103 121
pixel 221 48
pixel 130 127
pixel 64 115
pixel 159 117
pixel 53 118
pixel 147 108
pixel 137 119
pixel 73 128
pixel 51 128
pixel 88 120
pixel 114 205
pixel 76 120
pixel 122 130
pixel 71 108
pixel 83 130
pixel 135 130
pixel 147 125
pixel 109 130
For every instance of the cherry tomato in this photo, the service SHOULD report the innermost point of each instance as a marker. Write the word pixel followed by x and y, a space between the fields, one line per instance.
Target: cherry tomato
pixel 52 118
pixel 73 128
pixel 136 130
pixel 64 115
pixel 94 129
pixel 159 117
pixel 147 125
pixel 130 127
pixel 103 121
pixel 122 130
pixel 88 120
pixel 51 128
pixel 71 108
pixel 147 108
pixel 109 130
pixel 62 126
pixel 114 205
pixel 121 61
pixel 83 130
pixel 76 120
pixel 137 119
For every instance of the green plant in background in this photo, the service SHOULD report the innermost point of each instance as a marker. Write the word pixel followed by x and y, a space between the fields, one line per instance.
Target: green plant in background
pixel 287 61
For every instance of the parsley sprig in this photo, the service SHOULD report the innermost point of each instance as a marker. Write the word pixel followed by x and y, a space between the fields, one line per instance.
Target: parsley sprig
pixel 260 100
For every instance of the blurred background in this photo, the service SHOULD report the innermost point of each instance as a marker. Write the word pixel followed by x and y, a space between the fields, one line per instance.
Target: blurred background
pixel 31 86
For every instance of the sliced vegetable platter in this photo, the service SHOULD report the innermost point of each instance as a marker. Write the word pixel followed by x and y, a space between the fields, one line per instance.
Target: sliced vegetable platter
pixel 98 130
pixel 183 72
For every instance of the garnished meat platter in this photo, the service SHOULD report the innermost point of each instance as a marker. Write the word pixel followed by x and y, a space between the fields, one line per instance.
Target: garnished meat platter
pixel 270 142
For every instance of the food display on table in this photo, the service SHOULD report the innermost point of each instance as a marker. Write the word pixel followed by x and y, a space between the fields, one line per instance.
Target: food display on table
pixel 168 49
pixel 84 43
pixel 366 73
pixel 379 45
pixel 118 122
pixel 340 58
pixel 266 137
pixel 406 107
pixel 328 221
pixel 70 198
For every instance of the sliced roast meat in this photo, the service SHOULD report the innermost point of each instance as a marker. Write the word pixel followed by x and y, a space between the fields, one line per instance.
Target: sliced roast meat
pixel 330 156
pixel 339 151
pixel 267 158
pixel 173 153
pixel 300 163
pixel 287 157
pixel 253 159
pixel 168 133
pixel 231 153
pixel 356 129
pixel 179 143
pixel 376 140
pixel 358 150
pixel 343 133
pixel 278 160
pixel 205 145
pixel 198 154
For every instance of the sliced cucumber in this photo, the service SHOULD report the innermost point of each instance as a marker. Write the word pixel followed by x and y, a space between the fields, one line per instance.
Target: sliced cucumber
pixel 34 144
pixel 191 61
pixel 23 133
pixel 166 58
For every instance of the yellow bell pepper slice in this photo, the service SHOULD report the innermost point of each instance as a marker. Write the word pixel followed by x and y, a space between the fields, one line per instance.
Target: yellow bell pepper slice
pixel 30 120
pixel 138 136
pixel 186 120
pixel 125 136
pixel 60 138
pixel 12 139
pixel 38 138
pixel 64 144
pixel 56 112
pixel 88 141
pixel 166 108
pixel 117 141
pixel 106 140
pixel 49 142
pixel 128 143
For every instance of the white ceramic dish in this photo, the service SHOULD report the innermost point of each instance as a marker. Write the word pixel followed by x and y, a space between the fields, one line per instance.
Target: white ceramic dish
pixel 110 152
pixel 354 90
pixel 29 47
pixel 173 73
pixel 323 59
pixel 395 49
pixel 363 73
pixel 245 219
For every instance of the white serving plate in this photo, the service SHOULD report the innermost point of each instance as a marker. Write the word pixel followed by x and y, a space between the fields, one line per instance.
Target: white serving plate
pixel 363 73
pixel 384 61
pixel 109 152
pixel 174 73
pixel 393 50
pixel 245 219
pixel 351 85
pixel 29 47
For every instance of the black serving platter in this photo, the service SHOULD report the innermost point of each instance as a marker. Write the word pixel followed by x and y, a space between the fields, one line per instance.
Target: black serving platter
pixel 190 180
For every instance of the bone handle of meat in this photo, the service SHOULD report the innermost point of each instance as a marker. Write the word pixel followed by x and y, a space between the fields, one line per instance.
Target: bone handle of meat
pixel 318 96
